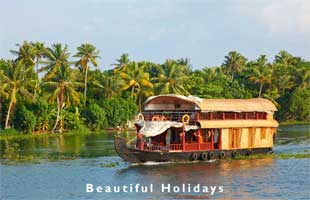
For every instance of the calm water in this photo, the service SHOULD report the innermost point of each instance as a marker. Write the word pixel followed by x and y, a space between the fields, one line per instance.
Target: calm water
pixel 60 167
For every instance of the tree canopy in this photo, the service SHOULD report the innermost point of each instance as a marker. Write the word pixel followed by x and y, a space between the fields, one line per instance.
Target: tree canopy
pixel 45 88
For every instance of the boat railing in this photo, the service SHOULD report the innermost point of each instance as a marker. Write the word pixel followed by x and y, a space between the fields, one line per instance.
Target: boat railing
pixel 173 147
pixel 157 147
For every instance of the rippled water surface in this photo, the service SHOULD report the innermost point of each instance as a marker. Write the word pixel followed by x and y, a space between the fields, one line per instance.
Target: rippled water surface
pixel 60 167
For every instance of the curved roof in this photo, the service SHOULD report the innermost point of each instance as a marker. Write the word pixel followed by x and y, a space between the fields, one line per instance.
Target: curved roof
pixel 236 105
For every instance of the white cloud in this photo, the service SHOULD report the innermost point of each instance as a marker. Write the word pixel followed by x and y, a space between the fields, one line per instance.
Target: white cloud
pixel 287 17
pixel 281 18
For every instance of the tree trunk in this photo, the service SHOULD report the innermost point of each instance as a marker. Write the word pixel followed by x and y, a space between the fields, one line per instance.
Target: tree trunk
pixel 37 81
pixel 85 83
pixel 58 113
pixel 8 115
pixel 232 76
pixel 132 91
pixel 140 104
pixel 260 90
pixel 0 113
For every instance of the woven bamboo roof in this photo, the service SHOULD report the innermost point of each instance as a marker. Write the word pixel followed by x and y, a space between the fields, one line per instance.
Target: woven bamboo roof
pixel 235 105
pixel 257 104
pixel 238 123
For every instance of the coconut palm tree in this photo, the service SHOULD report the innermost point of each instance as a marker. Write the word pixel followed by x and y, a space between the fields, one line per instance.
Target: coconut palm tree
pixel 16 79
pixel 121 63
pixel 285 59
pixel 261 73
pixel 87 54
pixel 59 79
pixel 25 54
pixel 64 92
pixel 302 76
pixel 171 79
pixel 234 62
pixel 39 53
pixel 3 92
pixel 56 56
pixel 137 81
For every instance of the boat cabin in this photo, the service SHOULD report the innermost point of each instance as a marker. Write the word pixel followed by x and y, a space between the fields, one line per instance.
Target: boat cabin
pixel 176 123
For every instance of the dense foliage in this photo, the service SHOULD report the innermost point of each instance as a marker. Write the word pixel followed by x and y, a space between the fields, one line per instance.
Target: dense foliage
pixel 49 89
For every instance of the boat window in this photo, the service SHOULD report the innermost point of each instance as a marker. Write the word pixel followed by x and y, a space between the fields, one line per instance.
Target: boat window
pixel 233 115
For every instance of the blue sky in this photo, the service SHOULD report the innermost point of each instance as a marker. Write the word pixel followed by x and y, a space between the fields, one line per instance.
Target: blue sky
pixel 202 30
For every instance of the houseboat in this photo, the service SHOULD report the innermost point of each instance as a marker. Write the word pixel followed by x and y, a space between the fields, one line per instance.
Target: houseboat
pixel 179 128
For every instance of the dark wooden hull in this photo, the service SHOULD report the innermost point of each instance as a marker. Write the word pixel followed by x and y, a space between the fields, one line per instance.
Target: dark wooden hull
pixel 138 156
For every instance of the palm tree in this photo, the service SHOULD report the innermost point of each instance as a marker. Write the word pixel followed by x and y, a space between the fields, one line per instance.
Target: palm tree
pixel 59 79
pixel 121 63
pixel 284 80
pixel 136 80
pixel 64 92
pixel 209 74
pixel 261 73
pixel 302 77
pixel 16 79
pixel 234 62
pixel 56 56
pixel 3 91
pixel 87 54
pixel 285 58
pixel 25 54
pixel 39 52
pixel 171 79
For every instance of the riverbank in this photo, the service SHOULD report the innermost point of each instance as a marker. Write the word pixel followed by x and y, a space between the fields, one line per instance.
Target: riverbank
pixel 294 123
pixel 13 134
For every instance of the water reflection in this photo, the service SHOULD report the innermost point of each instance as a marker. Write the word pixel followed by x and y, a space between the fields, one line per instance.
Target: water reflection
pixel 242 179
pixel 239 177
pixel 289 139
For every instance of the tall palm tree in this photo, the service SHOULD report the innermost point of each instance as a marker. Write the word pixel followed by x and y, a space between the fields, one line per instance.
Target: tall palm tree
pixel 59 79
pixel 39 53
pixel 121 63
pixel 16 79
pixel 285 59
pixel 302 77
pixel 234 62
pixel 284 80
pixel 64 92
pixel 261 73
pixel 56 56
pixel 25 54
pixel 171 79
pixel 87 54
pixel 136 80
pixel 3 91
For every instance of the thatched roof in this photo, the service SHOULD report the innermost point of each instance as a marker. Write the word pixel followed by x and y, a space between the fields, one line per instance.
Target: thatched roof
pixel 237 123
pixel 212 105
pixel 245 105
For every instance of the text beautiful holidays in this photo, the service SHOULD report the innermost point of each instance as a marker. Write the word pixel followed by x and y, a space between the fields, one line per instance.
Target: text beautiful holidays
pixel 164 188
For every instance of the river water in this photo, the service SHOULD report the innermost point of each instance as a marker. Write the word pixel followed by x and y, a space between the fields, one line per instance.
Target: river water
pixel 60 167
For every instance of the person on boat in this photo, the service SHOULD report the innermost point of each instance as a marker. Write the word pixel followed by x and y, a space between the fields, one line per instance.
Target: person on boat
pixel 140 141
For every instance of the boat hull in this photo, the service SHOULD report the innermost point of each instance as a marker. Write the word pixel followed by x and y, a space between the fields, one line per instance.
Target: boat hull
pixel 139 156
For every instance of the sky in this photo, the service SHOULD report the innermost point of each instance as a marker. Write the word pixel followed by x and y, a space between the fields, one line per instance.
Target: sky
pixel 202 30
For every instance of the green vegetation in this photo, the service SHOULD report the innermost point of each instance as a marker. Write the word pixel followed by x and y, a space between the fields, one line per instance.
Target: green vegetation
pixel 277 156
pixel 48 89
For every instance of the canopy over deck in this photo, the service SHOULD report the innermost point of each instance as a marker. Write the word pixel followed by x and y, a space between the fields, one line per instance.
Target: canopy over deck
pixel 151 129
pixel 179 102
